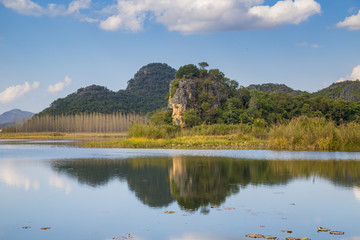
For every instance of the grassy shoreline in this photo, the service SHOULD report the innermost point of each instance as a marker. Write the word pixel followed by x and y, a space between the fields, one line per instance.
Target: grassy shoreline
pixel 303 133
pixel 193 142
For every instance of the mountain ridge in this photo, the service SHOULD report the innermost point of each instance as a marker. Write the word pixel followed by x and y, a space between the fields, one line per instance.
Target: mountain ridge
pixel 9 118
pixel 145 92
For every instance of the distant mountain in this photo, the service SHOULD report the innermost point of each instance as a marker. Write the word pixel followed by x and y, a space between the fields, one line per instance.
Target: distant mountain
pixel 9 118
pixel 348 90
pixel 274 88
pixel 145 93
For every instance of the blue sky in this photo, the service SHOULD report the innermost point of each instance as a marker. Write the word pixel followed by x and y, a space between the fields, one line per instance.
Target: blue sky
pixel 49 49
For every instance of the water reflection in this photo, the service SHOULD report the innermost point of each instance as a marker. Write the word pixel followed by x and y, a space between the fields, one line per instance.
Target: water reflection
pixel 357 192
pixel 60 183
pixel 11 176
pixel 199 182
pixel 146 177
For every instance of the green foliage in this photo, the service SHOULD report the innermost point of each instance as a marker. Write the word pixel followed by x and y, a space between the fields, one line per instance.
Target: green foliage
pixel 347 90
pixel 203 65
pixel 187 71
pixel 173 86
pixel 161 117
pixel 191 118
pixel 145 93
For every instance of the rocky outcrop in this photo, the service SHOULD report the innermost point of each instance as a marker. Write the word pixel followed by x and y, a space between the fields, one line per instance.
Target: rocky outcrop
pixel 181 99
pixel 196 94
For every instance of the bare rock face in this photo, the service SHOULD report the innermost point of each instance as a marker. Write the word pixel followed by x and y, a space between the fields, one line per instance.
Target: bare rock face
pixel 182 98
pixel 186 94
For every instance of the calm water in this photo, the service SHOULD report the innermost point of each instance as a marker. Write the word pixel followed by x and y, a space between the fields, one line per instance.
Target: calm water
pixel 110 193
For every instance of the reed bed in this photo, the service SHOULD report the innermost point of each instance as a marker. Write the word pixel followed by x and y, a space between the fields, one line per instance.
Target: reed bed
pixel 94 122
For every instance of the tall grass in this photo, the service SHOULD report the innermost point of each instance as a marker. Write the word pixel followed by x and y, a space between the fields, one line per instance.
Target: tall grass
pixel 95 122
pixel 302 133
pixel 315 134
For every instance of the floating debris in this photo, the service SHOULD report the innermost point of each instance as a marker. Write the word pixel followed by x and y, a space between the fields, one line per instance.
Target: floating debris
pixel 215 206
pixel 292 238
pixel 292 204
pixel 169 212
pixel 262 226
pixel 125 236
pixel 26 227
pixel 45 228
pixel 337 233
pixel 146 230
pixel 255 235
pixel 270 237
pixel 229 208
pixel 219 209
pixel 321 229
pixel 286 231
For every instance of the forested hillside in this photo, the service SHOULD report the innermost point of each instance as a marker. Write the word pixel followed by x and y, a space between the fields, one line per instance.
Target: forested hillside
pixel 274 88
pixel 145 93
pixel 194 95
pixel 348 90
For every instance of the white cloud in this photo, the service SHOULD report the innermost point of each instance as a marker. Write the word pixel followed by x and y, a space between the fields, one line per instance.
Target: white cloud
pixel 185 16
pixel 194 16
pixel 76 6
pixel 28 7
pixel 89 20
pixel 285 12
pixel 352 22
pixel 355 75
pixel 13 92
pixel 315 45
pixel 25 7
pixel 57 87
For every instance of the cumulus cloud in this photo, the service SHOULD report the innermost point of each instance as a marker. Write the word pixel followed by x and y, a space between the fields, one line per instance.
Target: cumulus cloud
pixel 355 75
pixel 25 7
pixel 194 16
pixel 57 87
pixel 76 6
pixel 28 7
pixel 13 92
pixel 285 12
pixel 185 16
pixel 352 22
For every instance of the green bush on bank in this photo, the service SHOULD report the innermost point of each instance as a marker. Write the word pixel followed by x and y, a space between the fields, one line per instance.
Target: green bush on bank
pixel 301 133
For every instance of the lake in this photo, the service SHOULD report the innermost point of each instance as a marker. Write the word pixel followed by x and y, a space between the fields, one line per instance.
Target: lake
pixel 78 193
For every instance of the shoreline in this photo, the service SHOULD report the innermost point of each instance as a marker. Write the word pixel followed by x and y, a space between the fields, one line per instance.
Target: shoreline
pixel 121 140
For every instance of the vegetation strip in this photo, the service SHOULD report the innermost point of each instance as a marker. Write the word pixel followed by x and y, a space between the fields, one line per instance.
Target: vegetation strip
pixel 301 133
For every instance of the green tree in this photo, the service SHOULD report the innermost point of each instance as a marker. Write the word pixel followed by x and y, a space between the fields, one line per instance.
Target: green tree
pixel 187 71
pixel 203 65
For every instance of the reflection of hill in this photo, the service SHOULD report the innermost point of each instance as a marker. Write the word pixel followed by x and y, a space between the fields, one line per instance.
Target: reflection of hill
pixel 200 181
pixel 147 178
